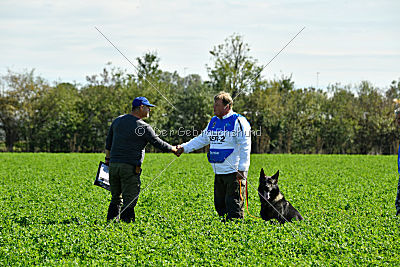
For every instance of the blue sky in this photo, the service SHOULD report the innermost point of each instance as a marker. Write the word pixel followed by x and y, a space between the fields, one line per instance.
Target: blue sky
pixel 345 41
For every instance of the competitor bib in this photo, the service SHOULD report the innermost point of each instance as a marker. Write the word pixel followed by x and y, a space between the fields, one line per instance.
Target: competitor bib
pixel 218 155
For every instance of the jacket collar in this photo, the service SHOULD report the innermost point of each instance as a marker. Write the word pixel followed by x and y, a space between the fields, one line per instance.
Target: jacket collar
pixel 228 115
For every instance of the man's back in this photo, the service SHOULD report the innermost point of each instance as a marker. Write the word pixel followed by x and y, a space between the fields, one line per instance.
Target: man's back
pixel 128 137
pixel 127 146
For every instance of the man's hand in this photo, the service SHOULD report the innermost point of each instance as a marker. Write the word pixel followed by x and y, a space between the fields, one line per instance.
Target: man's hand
pixel 178 150
pixel 240 175
pixel 107 158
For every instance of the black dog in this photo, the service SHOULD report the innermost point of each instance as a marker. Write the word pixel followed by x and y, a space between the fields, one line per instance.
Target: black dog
pixel 273 203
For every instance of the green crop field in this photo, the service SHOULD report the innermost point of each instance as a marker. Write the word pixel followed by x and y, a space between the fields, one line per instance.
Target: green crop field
pixel 52 214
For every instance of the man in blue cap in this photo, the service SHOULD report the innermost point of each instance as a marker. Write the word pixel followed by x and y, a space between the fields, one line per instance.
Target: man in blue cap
pixel 125 149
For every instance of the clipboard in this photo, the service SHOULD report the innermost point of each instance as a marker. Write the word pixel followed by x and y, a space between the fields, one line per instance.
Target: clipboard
pixel 102 177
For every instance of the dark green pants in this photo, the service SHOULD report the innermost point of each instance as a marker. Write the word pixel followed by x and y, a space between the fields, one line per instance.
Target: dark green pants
pixel 229 195
pixel 125 188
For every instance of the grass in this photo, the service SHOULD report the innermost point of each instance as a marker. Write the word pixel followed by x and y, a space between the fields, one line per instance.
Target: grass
pixel 52 214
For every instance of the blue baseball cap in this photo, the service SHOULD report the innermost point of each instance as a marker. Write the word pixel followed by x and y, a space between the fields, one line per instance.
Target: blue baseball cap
pixel 141 100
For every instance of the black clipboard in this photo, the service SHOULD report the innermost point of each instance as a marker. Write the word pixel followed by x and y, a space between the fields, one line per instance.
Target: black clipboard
pixel 102 177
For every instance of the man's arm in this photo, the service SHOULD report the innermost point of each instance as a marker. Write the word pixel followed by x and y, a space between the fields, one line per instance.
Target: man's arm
pixel 156 141
pixel 109 144
pixel 107 159
pixel 196 143
pixel 243 131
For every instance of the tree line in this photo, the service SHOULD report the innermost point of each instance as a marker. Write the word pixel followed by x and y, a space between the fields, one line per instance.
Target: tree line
pixel 66 117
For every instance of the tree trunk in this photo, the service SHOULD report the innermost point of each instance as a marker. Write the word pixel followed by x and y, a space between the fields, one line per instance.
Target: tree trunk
pixel 11 136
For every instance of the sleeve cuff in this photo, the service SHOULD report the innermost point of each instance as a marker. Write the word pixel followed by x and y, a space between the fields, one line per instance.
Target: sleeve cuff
pixel 185 148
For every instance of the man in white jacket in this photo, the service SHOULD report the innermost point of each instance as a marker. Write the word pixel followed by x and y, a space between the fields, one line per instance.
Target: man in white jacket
pixel 229 137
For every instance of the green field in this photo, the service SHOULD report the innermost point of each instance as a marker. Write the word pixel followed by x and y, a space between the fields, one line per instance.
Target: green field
pixel 51 214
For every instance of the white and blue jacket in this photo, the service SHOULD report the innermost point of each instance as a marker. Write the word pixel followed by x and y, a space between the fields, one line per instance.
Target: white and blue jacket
pixel 230 143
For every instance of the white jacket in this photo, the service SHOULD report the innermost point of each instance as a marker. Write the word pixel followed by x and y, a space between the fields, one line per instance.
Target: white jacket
pixel 230 143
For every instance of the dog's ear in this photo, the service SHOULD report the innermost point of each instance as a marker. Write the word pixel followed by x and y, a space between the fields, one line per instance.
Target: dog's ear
pixel 275 177
pixel 262 175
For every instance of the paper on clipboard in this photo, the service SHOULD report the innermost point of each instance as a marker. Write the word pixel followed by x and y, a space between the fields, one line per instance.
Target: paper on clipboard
pixel 102 177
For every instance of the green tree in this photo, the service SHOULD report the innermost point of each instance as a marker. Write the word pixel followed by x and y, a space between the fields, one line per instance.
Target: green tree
pixel 233 70
pixel 22 102
pixel 9 122
pixel 148 66
pixel 339 128
pixel 59 132
pixel 100 102
pixel 369 113
pixel 392 136
pixel 394 90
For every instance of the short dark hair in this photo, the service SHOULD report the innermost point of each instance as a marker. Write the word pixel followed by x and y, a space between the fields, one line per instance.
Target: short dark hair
pixel 135 108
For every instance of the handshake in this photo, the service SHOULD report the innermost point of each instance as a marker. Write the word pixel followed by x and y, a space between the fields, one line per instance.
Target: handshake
pixel 177 150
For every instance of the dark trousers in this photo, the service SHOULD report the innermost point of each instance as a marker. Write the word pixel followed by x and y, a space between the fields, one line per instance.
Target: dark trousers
pixel 229 195
pixel 125 189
